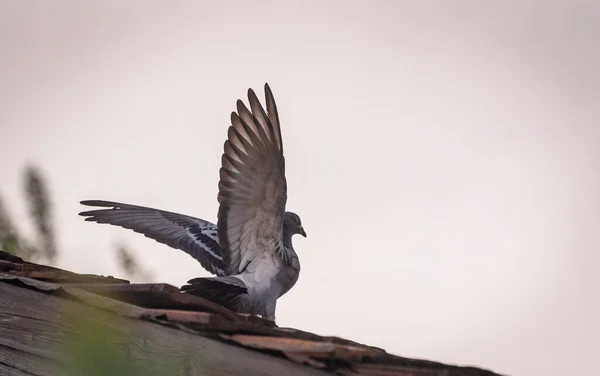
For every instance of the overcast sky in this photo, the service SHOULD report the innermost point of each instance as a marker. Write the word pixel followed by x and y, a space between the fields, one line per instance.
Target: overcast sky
pixel 444 156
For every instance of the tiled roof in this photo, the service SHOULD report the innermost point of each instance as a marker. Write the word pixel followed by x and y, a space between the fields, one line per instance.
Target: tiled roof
pixel 166 305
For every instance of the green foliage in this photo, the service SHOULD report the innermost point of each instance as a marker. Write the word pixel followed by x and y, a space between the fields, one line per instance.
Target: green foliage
pixel 40 211
pixel 95 347
pixel 10 239
pixel 130 266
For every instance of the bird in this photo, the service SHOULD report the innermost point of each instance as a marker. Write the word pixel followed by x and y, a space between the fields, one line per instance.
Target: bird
pixel 249 250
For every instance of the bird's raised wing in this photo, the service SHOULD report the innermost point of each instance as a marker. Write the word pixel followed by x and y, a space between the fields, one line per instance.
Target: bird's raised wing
pixel 252 185
pixel 194 236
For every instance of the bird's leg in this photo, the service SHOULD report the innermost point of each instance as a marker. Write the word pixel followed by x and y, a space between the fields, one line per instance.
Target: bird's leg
pixel 270 310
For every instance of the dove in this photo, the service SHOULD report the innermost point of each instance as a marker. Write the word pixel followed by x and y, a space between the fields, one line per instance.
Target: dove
pixel 249 250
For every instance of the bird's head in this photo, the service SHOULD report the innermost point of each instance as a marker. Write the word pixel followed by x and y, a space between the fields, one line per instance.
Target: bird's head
pixel 292 224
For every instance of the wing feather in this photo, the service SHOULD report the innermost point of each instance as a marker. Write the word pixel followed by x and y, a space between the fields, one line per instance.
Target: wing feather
pixel 194 236
pixel 252 186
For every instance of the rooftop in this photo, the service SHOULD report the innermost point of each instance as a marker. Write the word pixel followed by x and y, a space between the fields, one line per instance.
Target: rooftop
pixel 38 305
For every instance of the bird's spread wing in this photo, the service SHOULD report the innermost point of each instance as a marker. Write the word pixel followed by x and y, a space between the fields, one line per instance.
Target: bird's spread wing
pixel 252 185
pixel 194 236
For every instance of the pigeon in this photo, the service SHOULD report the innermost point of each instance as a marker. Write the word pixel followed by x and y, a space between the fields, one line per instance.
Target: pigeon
pixel 250 249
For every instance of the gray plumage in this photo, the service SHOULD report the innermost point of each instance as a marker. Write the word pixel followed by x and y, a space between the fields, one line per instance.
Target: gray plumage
pixel 194 236
pixel 250 248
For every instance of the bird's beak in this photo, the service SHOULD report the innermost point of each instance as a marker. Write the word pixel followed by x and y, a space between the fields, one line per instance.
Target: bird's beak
pixel 301 231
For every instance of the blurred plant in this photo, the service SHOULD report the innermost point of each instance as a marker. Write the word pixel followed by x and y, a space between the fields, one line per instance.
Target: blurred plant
pixel 44 249
pixel 130 266
pixel 10 239
pixel 94 346
pixel 40 211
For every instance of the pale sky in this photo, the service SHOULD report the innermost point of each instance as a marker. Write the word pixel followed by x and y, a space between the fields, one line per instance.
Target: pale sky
pixel 444 156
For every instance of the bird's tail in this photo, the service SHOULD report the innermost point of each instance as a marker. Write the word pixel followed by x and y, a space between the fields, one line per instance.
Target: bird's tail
pixel 225 291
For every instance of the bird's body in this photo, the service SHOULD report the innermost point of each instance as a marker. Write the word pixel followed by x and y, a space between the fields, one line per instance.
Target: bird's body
pixel 265 279
pixel 250 248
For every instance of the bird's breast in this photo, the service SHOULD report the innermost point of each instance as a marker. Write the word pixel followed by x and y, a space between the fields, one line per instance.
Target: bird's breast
pixel 269 275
